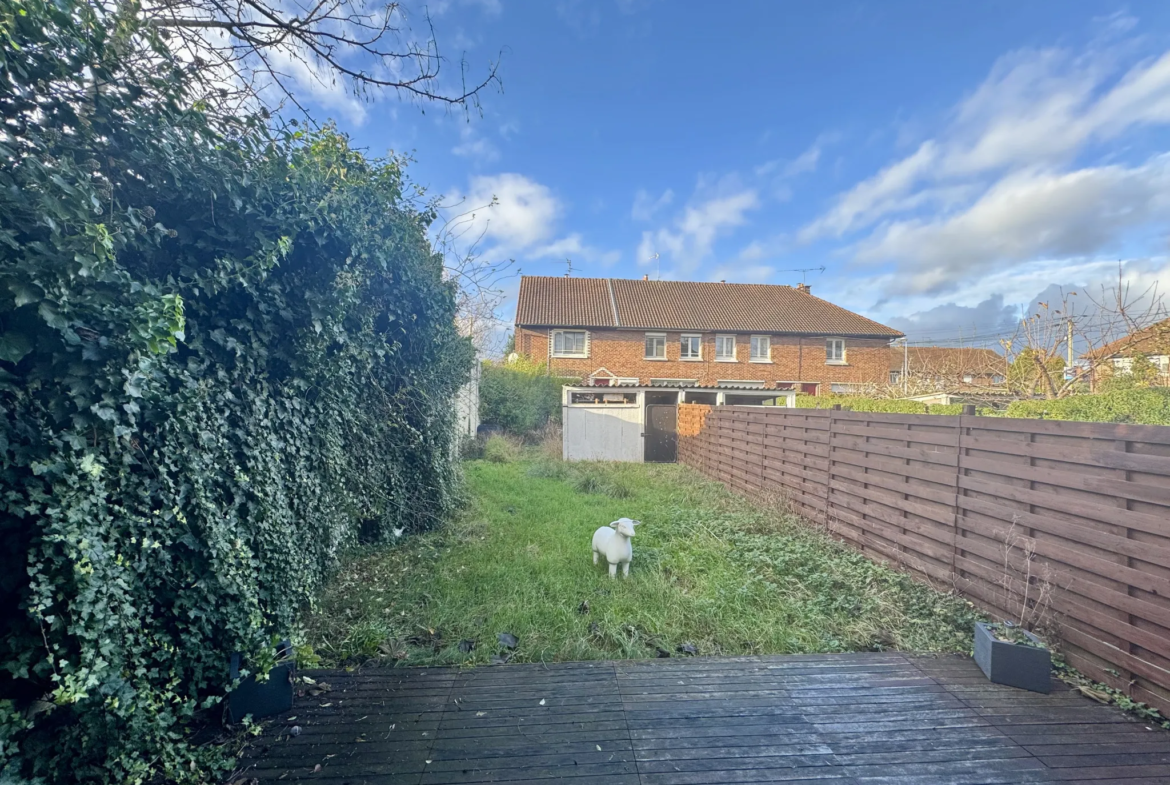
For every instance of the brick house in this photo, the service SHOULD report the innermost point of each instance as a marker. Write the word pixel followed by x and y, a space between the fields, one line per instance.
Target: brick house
pixel 947 368
pixel 1152 342
pixel 694 334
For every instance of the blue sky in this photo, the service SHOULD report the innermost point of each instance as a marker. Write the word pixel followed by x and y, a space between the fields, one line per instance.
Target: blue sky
pixel 947 163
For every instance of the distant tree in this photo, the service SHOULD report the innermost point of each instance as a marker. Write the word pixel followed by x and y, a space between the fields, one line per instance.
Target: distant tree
pixel 1114 318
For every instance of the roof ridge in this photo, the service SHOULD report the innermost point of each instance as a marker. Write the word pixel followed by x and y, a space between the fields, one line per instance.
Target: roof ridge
pixel 617 322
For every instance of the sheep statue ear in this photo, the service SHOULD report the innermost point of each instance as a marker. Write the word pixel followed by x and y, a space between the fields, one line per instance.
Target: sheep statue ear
pixel 613 524
pixel 635 523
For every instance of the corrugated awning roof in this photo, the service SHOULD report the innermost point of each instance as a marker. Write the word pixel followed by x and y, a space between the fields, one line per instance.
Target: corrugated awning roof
pixel 685 305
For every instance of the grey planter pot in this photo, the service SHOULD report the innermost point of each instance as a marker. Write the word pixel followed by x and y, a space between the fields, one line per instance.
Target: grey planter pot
pixel 1013 664
pixel 263 699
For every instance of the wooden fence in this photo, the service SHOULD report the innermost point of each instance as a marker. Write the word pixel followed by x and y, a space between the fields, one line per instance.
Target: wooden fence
pixel 1001 510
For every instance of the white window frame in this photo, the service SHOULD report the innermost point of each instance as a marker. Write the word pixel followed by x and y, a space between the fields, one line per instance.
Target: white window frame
pixel 846 388
pixel 560 333
pixel 734 349
pixel 645 346
pixel 830 350
pixel 748 384
pixel 673 383
pixel 696 337
pixel 767 357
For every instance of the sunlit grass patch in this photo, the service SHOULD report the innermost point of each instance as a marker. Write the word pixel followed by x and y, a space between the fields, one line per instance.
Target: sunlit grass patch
pixel 710 569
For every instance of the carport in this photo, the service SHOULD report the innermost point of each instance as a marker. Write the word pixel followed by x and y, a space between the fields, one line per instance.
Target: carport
pixel 638 423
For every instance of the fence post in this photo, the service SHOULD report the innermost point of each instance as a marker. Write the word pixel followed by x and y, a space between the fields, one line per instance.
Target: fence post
pixel 969 409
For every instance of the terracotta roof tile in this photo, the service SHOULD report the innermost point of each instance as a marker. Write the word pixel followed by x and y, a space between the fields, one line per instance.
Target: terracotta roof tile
pixel 944 360
pixel 686 305
pixel 1154 339
pixel 564 302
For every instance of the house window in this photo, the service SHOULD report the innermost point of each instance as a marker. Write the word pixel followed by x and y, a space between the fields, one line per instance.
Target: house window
pixel 968 378
pixel 673 382
pixel 725 348
pixel 895 377
pixel 761 349
pixel 997 379
pixel 845 388
pixel 752 383
pixel 569 343
pixel 691 347
pixel 655 346
pixel 835 351
pixel 1123 364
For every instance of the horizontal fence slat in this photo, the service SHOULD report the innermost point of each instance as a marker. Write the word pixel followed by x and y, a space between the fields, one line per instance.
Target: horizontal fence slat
pixel 957 500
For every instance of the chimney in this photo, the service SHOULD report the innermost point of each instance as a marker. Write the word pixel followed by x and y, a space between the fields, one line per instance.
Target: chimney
pixel 803 287
pixel 645 276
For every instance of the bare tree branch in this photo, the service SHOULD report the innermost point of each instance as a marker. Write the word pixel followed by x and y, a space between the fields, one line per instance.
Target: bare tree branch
pixel 236 49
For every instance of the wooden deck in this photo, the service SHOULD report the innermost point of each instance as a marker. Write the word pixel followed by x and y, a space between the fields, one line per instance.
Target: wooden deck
pixel 824 719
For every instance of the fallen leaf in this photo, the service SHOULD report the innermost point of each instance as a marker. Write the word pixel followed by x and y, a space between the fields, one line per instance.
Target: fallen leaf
pixel 594 628
pixel 1097 695
pixel 583 608
pixel 542 701
pixel 661 653
pixel 466 645
pixel 317 768
pixel 598 747
pixel 687 648
pixel 480 713
pixel 501 659
pixel 326 705
pixel 507 640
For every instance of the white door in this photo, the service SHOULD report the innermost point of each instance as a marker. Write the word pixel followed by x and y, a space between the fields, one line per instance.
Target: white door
pixel 603 433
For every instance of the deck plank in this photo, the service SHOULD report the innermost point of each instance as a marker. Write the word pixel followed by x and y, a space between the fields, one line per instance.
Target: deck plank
pixel 838 719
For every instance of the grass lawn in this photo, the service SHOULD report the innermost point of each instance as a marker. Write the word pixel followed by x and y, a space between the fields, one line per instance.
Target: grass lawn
pixel 710 569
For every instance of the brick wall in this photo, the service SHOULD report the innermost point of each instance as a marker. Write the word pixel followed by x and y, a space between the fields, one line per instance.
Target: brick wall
pixel 793 359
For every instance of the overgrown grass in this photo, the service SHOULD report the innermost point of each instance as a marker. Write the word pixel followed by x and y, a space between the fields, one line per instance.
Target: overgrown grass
pixel 710 569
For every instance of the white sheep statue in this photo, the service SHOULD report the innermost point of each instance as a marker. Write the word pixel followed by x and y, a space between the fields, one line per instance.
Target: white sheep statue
pixel 613 542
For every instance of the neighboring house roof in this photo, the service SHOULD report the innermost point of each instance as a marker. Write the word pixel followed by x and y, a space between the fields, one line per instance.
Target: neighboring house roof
pixel 1154 339
pixel 948 361
pixel 685 305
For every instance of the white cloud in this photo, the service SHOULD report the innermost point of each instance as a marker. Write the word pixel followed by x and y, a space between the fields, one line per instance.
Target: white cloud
pixel 1035 109
pixel 574 247
pixel 690 239
pixel 513 215
pixel 882 193
pixel 511 210
pixel 804 163
pixel 477 148
pixel 1024 216
pixel 645 206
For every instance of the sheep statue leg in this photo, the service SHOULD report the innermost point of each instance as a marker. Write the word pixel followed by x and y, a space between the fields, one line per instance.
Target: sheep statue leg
pixel 626 570
pixel 613 571
pixel 595 557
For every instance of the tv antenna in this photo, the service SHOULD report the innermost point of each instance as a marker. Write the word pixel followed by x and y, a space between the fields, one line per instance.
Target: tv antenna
pixel 658 267
pixel 803 271
pixel 568 268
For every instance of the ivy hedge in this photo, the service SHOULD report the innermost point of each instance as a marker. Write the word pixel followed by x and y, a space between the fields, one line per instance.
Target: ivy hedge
pixel 226 353
pixel 1140 406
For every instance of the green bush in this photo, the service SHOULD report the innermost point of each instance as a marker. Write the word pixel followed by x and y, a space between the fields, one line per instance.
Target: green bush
pixel 521 400
pixel 215 372
pixel 500 449
pixel 858 404
pixel 1142 406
